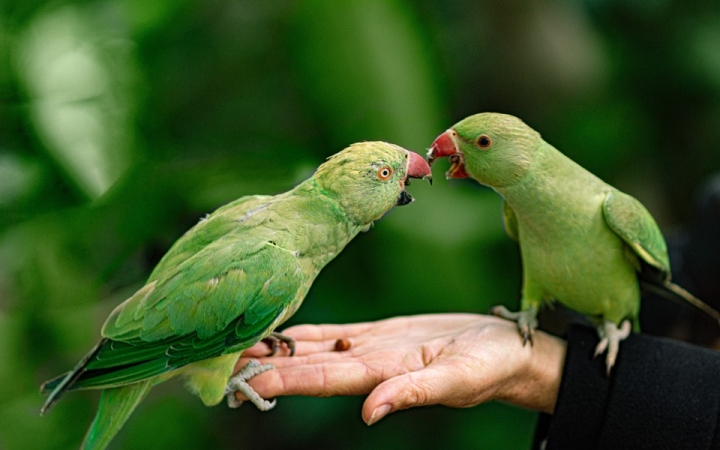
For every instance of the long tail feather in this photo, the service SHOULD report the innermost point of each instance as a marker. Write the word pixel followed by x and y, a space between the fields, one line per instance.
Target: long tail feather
pixel 116 405
pixel 67 380
pixel 674 292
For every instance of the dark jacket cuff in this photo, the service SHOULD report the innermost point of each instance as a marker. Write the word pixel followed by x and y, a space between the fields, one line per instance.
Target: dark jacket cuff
pixel 661 394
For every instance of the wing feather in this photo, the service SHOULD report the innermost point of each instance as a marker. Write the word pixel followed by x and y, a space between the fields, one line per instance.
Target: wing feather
pixel 629 219
pixel 224 296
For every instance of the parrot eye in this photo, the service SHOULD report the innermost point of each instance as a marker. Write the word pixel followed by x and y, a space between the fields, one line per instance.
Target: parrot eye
pixel 384 173
pixel 484 141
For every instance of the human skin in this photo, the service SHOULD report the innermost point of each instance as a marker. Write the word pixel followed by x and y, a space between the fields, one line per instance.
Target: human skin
pixel 457 360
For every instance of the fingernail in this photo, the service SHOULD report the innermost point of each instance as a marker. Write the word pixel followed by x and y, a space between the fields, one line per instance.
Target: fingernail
pixel 379 413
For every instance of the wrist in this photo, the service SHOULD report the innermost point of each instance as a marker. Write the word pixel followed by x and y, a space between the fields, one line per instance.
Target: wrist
pixel 536 382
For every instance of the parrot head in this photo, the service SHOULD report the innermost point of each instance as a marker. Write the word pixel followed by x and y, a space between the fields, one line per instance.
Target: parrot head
pixel 494 149
pixel 369 178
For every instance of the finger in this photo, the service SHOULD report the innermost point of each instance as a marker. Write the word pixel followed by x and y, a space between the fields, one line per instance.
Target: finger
pixel 281 362
pixel 327 345
pixel 430 386
pixel 393 326
pixel 346 377
pixel 262 349
pixel 259 350
pixel 305 353
pixel 327 331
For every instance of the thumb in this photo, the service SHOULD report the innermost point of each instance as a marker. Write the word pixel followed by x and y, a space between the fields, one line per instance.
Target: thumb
pixel 428 386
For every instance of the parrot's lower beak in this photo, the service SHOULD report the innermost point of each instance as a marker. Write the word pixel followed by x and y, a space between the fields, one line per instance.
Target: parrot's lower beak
pixel 417 168
pixel 404 198
pixel 445 146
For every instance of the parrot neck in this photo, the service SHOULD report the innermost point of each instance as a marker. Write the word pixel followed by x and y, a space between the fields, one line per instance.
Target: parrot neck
pixel 328 229
pixel 350 198
pixel 553 183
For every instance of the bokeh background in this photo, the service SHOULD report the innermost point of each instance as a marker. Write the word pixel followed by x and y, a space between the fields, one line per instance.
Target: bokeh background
pixel 122 122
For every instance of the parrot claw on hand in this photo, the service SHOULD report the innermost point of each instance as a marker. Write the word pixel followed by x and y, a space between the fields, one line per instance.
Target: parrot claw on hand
pixel 274 339
pixel 611 335
pixel 526 321
pixel 239 383
pixel 528 334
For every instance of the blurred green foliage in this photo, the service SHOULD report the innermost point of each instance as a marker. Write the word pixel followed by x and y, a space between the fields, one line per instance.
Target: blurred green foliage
pixel 122 122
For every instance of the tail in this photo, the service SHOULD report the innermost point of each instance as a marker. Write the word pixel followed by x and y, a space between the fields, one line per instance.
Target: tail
pixel 116 405
pixel 63 383
pixel 674 292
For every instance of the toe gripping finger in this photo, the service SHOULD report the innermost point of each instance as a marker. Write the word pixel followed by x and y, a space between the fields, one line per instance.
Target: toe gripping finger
pixel 528 335
pixel 526 321
pixel 501 311
pixel 274 339
pixel 239 383
pixel 273 343
pixel 610 337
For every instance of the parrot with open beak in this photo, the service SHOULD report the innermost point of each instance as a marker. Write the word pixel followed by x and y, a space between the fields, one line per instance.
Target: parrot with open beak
pixel 583 243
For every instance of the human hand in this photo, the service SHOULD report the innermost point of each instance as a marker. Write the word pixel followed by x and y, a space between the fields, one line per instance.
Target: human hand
pixel 457 360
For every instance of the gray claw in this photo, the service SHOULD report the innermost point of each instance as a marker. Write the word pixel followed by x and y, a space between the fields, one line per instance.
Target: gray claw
pixel 528 334
pixel 239 383
pixel 273 343
pixel 526 321
pixel 274 339
pixel 610 337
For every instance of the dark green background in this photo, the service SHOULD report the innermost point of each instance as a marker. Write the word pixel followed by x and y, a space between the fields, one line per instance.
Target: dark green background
pixel 122 122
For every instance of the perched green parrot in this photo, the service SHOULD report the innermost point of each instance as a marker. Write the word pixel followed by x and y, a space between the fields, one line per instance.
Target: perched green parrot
pixel 229 281
pixel 583 243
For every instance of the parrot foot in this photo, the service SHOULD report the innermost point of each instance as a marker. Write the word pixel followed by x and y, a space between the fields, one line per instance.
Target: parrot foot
pixel 274 339
pixel 526 321
pixel 610 337
pixel 239 383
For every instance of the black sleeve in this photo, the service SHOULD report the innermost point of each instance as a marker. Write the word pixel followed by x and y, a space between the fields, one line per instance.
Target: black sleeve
pixel 662 394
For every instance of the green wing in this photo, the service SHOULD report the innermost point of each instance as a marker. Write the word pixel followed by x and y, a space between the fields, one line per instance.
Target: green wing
pixel 222 287
pixel 629 219
pixel 222 221
pixel 510 221
pixel 174 323
pixel 209 290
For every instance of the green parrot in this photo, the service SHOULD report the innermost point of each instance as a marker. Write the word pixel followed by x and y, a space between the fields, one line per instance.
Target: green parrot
pixel 583 243
pixel 229 281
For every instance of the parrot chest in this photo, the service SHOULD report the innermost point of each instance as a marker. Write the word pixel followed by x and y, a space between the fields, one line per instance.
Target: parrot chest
pixel 571 256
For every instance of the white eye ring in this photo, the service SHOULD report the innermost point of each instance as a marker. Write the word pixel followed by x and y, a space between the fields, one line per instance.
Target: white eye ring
pixel 385 173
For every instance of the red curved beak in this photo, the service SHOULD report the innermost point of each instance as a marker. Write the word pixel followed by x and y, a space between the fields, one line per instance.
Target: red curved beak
pixel 445 146
pixel 418 167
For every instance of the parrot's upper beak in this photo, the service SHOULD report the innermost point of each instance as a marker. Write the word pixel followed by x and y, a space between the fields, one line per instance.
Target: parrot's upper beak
pixel 417 168
pixel 444 146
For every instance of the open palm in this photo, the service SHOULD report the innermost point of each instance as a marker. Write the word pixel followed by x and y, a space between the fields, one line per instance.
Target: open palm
pixel 457 360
